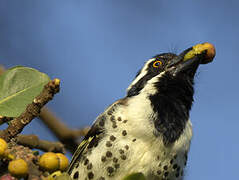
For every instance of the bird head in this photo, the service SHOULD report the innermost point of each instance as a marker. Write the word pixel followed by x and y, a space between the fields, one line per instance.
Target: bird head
pixel 166 81
pixel 173 67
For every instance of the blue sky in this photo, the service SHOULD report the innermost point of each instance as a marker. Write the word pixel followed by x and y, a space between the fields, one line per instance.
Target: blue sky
pixel 96 47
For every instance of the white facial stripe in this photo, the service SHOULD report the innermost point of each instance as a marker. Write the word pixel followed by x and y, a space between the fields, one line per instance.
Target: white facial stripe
pixel 142 73
pixel 149 88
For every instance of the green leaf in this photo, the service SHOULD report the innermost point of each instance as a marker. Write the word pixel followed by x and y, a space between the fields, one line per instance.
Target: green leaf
pixel 18 87
pixel 135 176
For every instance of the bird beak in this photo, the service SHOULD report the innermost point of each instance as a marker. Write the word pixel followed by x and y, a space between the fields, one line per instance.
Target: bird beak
pixel 188 61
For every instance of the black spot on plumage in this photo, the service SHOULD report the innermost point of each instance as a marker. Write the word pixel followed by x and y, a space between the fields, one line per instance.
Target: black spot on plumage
pixel 159 172
pixel 76 175
pixel 172 105
pixel 121 151
pixel 101 178
pixel 117 166
pixel 112 138
pixel 123 157
pixel 134 140
pixel 86 161
pixel 110 170
pixel 108 144
pixel 112 109
pixel 109 154
pixel 101 123
pixel 102 120
pixel 124 132
pixel 112 118
pixel 165 167
pixel 114 125
pixel 119 119
pixel 90 175
pixel 126 147
pixel 103 158
pixel 125 121
pixel 171 161
pixel 89 166
pixel 115 160
pixel 175 166
pixel 166 174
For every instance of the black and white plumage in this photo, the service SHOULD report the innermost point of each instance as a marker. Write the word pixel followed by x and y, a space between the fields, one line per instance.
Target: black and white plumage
pixel 149 130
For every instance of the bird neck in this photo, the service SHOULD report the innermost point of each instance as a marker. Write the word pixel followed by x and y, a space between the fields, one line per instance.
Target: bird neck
pixel 172 104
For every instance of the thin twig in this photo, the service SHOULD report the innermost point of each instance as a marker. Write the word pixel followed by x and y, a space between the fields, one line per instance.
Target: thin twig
pixel 33 110
pixel 32 141
pixel 66 135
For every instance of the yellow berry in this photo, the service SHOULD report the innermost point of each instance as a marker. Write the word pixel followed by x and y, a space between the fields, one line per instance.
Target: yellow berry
pixel 3 147
pixel 18 168
pixel 49 161
pixel 210 54
pixel 63 161
pixel 199 49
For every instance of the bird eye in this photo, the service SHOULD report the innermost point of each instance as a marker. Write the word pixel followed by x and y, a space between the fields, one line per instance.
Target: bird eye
pixel 157 64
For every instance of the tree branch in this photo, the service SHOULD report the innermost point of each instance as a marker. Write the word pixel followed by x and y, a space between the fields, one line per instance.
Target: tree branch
pixel 33 110
pixel 66 135
pixel 32 141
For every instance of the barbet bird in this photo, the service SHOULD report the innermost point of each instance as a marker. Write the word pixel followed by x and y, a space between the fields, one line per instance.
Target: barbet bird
pixel 149 130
